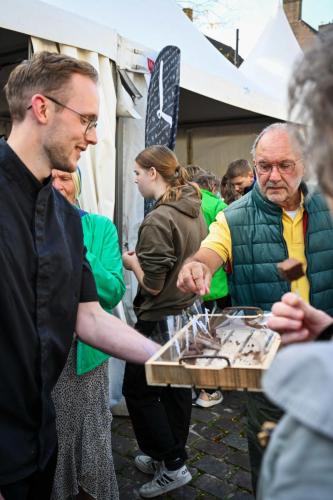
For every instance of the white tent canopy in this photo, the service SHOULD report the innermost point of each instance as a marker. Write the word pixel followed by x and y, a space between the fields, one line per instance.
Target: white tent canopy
pixel 153 24
pixel 43 20
pixel 271 61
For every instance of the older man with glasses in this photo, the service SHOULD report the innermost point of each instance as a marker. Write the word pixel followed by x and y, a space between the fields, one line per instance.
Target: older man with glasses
pixel 275 221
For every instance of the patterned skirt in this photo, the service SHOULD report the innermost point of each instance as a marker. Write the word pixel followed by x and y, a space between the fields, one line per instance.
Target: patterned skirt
pixel 84 421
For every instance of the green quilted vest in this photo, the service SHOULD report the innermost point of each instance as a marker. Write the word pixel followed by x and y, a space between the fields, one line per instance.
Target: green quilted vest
pixel 258 245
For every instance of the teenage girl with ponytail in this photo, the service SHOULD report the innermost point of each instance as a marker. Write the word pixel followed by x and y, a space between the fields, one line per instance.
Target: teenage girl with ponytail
pixel 169 234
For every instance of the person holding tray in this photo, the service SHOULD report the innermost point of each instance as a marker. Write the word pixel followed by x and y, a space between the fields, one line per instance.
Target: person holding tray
pixel 169 234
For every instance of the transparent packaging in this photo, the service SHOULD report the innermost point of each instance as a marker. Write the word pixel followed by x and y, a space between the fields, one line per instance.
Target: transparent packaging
pixel 237 342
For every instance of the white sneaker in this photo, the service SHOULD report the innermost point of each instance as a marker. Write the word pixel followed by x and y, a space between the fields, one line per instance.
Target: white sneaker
pixel 207 400
pixel 146 464
pixel 165 480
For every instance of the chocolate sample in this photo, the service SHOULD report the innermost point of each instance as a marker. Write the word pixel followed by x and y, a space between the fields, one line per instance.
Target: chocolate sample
pixel 290 269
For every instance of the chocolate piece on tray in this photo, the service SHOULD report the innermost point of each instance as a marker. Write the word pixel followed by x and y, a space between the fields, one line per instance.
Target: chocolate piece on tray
pixel 290 269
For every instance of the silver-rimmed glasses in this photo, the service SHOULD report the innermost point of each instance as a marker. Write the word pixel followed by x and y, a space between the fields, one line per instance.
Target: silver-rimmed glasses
pixel 284 167
pixel 86 120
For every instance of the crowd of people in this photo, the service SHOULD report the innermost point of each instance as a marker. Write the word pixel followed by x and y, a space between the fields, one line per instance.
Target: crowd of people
pixel 218 240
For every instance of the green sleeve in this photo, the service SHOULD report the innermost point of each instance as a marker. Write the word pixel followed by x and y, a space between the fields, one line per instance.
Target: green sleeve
pixel 104 257
pixel 103 254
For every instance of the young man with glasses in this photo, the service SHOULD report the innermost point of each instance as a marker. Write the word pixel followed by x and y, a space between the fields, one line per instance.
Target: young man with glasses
pixel 48 290
pixel 276 220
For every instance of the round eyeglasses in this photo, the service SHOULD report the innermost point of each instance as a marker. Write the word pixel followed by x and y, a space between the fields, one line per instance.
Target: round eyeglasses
pixel 87 121
pixel 284 167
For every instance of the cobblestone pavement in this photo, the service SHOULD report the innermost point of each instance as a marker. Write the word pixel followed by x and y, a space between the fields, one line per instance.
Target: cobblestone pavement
pixel 217 449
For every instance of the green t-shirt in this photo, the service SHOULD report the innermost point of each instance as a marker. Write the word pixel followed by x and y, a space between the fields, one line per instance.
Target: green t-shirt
pixel 211 205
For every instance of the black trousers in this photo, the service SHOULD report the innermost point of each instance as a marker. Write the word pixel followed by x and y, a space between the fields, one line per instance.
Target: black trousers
pixel 160 415
pixel 37 486
pixel 259 410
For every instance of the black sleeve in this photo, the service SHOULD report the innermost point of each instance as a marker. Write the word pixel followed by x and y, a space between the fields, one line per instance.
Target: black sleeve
pixel 88 287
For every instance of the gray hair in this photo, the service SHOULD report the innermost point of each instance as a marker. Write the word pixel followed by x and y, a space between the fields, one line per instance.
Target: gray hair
pixel 311 103
pixel 285 127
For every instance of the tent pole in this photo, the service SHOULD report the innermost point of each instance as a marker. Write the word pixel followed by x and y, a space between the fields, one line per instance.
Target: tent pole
pixel 119 192
pixel 189 147
pixel 236 51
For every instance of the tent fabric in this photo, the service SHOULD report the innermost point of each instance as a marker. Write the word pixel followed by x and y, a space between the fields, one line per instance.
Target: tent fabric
pixel 272 59
pixel 214 147
pixel 97 163
pixel 51 22
pixel 132 135
pixel 157 23
pixel 152 24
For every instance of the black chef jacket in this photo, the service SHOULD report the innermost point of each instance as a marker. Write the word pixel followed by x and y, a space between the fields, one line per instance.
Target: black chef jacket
pixel 44 276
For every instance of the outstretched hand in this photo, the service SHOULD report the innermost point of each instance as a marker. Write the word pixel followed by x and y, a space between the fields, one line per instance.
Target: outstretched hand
pixel 296 320
pixel 194 277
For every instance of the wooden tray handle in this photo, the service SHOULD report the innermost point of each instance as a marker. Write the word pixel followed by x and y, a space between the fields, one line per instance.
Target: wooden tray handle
pixel 231 312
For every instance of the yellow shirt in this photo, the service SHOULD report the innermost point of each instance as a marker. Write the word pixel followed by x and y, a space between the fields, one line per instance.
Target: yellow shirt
pixel 219 240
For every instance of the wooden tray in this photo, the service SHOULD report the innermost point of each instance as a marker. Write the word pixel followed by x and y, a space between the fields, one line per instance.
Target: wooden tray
pixel 248 345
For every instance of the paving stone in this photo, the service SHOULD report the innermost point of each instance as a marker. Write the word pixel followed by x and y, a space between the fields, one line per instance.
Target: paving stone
pixel 120 462
pixel 235 401
pixel 193 470
pixel 218 409
pixel 192 453
pixel 116 423
pixel 216 449
pixel 230 411
pixel 241 495
pixel 193 436
pixel 213 466
pixel 126 429
pixel 122 482
pixel 201 414
pixel 228 423
pixel 240 459
pixel 236 441
pixel 135 475
pixel 213 485
pixel 186 492
pixel 123 445
pixel 239 396
pixel 129 493
pixel 208 432
pixel 242 479
pixel 243 421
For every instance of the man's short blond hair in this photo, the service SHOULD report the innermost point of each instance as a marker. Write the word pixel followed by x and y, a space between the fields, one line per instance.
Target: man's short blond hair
pixel 44 73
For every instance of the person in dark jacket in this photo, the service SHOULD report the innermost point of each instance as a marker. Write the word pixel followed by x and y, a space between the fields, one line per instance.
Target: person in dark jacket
pixel 169 234
pixel 48 289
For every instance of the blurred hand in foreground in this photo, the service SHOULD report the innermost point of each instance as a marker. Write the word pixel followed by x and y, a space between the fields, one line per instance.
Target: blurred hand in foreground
pixel 296 320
